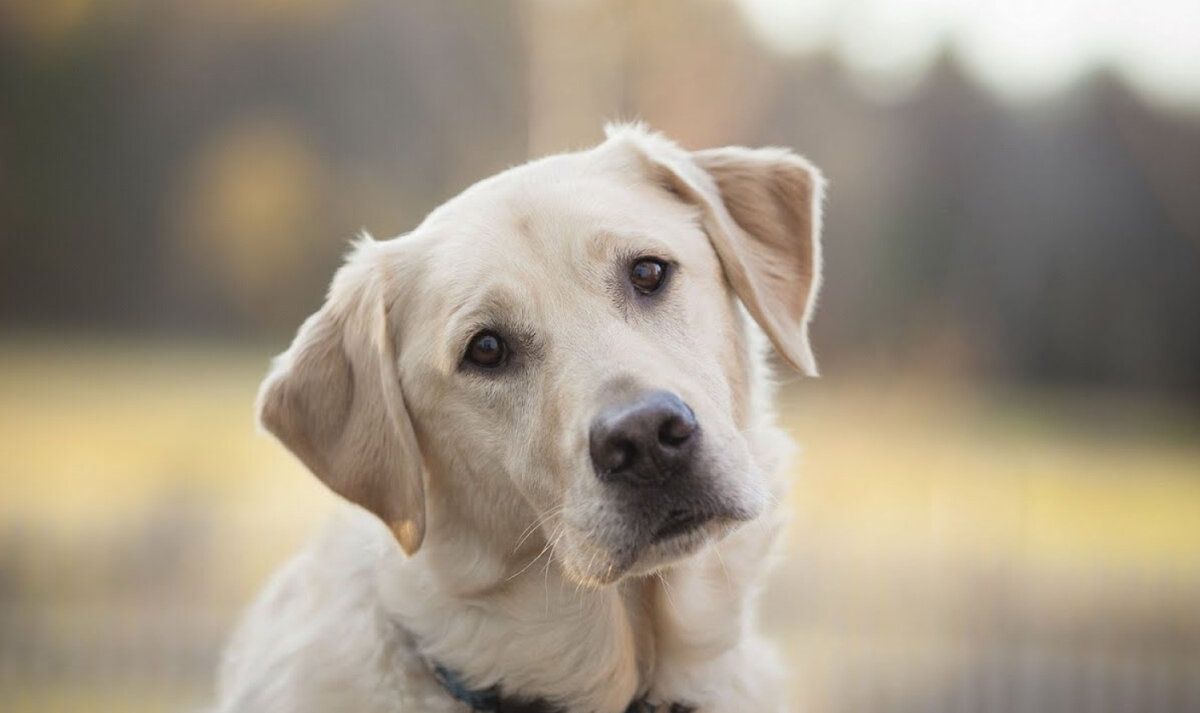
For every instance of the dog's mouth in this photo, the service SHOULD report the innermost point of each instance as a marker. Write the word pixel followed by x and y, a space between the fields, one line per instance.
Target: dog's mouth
pixel 679 533
pixel 680 522
pixel 650 537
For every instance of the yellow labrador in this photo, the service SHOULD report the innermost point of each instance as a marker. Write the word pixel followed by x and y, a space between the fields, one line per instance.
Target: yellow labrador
pixel 552 397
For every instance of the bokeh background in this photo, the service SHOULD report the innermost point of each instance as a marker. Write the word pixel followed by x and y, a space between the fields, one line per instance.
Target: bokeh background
pixel 998 504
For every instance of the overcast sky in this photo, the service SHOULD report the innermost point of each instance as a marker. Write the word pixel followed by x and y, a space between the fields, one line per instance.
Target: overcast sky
pixel 1022 49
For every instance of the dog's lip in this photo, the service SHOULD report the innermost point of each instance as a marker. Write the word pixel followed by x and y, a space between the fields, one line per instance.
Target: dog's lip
pixel 681 522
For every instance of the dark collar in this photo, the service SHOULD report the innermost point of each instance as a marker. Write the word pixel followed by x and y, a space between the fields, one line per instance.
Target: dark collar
pixel 492 700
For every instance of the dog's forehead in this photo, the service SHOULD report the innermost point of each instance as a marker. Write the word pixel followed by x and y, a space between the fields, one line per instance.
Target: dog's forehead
pixel 548 219
pixel 522 188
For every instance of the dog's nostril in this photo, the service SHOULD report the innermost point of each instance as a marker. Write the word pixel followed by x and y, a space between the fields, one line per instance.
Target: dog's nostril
pixel 618 456
pixel 676 429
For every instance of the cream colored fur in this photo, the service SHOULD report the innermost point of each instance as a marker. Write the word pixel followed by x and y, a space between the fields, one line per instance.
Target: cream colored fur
pixel 483 540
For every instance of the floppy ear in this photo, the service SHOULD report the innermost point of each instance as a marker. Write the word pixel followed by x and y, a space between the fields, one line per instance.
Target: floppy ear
pixel 333 398
pixel 762 211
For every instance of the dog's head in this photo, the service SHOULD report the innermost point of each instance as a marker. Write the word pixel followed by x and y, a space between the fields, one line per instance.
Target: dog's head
pixel 560 351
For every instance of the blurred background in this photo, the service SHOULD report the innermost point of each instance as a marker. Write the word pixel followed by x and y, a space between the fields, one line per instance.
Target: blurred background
pixel 998 504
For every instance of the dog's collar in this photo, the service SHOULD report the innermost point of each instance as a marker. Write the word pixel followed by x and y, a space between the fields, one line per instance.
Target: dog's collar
pixel 491 700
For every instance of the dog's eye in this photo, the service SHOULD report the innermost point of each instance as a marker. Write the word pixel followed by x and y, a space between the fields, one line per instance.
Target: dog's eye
pixel 487 349
pixel 647 275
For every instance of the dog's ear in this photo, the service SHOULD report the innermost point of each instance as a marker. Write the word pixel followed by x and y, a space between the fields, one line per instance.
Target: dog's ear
pixel 334 399
pixel 762 211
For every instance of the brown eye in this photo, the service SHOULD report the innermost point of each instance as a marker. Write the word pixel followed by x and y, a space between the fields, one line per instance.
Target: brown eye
pixel 647 275
pixel 487 349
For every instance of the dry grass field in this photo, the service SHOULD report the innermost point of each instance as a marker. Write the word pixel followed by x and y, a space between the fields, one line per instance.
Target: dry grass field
pixel 952 548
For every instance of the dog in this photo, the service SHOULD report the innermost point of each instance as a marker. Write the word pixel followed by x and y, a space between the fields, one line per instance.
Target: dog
pixel 551 402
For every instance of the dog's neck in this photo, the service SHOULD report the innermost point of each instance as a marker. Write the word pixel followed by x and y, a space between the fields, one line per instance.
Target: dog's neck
pixel 503 615
pixel 494 620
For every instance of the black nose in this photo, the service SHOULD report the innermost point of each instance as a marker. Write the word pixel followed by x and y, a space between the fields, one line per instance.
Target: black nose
pixel 647 440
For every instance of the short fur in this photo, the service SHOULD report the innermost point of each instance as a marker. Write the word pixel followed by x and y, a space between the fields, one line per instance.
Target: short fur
pixel 515 566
